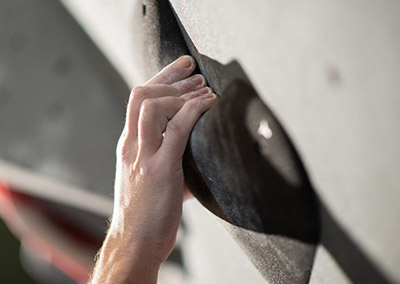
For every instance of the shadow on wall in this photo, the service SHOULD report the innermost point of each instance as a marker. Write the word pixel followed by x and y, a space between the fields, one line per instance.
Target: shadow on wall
pixel 355 264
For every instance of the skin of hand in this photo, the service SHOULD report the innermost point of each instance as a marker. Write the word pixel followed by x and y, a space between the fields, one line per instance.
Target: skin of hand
pixel 149 183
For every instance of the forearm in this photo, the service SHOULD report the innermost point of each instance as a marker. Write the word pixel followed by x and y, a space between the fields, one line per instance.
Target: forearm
pixel 120 262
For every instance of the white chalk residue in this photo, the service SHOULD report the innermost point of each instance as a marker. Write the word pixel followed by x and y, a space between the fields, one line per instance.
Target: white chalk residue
pixel 264 129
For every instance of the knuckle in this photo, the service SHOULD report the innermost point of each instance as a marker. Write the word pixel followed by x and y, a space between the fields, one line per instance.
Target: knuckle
pixel 149 106
pixel 124 151
pixel 124 148
pixel 144 169
pixel 139 92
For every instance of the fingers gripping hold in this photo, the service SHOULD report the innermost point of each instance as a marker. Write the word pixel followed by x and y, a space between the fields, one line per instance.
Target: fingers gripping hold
pixel 161 102
pixel 140 94
pixel 174 116
pixel 180 126
pixel 154 116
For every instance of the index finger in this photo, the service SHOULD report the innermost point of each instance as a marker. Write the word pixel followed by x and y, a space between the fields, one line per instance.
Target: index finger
pixel 176 71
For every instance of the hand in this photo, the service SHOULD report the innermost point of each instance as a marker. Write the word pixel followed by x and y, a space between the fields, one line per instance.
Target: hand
pixel 149 183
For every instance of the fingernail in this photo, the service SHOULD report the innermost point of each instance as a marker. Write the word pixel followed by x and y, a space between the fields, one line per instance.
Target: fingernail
pixel 202 91
pixel 198 80
pixel 197 93
pixel 186 62
pixel 210 96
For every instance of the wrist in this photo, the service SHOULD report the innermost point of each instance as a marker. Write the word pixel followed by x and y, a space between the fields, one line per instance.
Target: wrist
pixel 122 261
pixel 147 241
pixel 131 249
